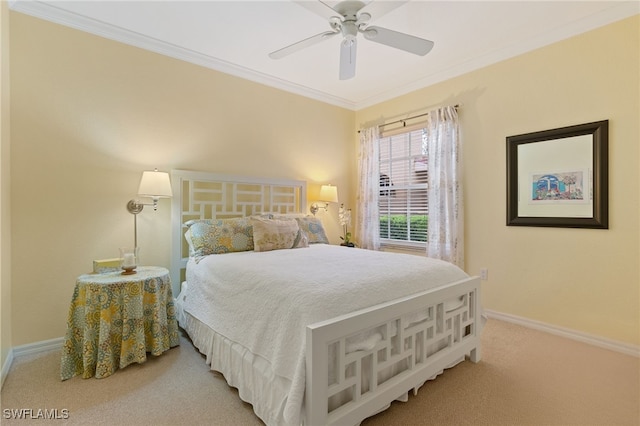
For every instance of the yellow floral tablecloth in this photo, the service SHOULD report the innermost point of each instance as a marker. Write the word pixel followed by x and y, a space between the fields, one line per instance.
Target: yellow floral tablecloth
pixel 115 319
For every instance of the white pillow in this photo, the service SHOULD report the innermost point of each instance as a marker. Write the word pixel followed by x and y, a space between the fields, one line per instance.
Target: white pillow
pixel 274 234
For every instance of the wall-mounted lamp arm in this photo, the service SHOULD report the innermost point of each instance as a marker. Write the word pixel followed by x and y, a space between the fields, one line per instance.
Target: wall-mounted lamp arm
pixel 135 206
pixel 315 207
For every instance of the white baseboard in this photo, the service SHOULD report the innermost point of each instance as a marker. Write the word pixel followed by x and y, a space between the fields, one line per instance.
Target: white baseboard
pixel 590 339
pixel 29 349
pixel 37 347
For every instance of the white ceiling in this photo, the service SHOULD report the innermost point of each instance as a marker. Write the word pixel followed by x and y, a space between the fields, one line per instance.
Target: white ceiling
pixel 236 37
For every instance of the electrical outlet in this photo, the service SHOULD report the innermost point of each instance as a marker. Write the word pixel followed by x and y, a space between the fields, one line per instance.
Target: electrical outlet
pixel 484 274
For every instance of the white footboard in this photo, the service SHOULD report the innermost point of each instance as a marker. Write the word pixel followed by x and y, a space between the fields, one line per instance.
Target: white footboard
pixel 415 338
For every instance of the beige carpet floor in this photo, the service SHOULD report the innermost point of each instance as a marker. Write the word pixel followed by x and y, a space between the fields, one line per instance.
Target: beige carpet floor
pixel 526 377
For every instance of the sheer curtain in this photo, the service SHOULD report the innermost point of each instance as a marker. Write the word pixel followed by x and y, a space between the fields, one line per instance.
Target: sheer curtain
pixel 368 223
pixel 446 213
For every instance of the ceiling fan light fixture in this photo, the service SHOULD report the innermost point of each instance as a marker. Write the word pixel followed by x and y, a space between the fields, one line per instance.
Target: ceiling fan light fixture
pixel 348 43
pixel 370 33
pixel 363 18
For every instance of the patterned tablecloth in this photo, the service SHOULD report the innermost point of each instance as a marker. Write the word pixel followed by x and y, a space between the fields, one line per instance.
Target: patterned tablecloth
pixel 115 319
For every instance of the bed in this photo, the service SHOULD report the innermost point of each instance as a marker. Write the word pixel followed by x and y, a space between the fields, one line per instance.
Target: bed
pixel 309 332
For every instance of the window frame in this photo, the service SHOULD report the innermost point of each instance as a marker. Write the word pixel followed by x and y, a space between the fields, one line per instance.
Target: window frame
pixel 408 163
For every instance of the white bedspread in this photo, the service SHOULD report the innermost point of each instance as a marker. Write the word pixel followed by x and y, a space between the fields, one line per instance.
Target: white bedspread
pixel 265 300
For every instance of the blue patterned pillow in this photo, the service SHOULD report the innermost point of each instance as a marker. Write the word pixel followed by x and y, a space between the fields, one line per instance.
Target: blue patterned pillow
pixel 215 236
pixel 314 229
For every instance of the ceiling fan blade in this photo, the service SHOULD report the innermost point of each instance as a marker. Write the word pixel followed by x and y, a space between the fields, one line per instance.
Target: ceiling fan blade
pixel 376 9
pixel 281 53
pixel 348 58
pixel 406 42
pixel 319 8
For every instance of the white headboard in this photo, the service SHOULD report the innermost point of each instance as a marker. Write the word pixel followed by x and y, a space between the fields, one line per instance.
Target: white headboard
pixel 201 195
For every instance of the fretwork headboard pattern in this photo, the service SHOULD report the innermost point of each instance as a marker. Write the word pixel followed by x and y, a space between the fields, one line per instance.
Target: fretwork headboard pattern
pixel 200 195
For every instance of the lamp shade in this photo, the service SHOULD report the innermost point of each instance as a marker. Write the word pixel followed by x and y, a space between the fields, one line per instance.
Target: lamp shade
pixel 329 193
pixel 155 184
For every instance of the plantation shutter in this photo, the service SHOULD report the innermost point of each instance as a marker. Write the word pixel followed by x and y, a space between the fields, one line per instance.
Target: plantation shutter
pixel 403 187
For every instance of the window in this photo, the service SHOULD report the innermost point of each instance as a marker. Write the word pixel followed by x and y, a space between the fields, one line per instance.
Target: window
pixel 404 178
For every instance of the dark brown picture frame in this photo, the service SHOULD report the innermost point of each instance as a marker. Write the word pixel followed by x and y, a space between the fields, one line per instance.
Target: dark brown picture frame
pixel 522 152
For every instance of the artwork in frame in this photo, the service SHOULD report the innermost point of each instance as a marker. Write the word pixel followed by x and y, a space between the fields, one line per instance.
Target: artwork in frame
pixel 559 177
pixel 560 187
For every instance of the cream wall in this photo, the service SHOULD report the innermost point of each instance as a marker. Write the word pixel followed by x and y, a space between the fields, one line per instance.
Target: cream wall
pixel 89 115
pixel 5 191
pixel 586 280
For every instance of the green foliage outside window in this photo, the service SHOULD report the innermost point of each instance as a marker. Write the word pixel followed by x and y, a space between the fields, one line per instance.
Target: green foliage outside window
pixel 395 227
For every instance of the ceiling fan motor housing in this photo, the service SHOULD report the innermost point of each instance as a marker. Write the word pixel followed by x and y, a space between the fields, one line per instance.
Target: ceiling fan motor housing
pixel 349 30
pixel 349 9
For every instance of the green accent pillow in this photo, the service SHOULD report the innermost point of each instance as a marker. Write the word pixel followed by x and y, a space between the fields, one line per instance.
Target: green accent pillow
pixel 216 236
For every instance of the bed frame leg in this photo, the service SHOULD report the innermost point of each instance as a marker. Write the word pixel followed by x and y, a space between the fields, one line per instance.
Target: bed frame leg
pixel 475 355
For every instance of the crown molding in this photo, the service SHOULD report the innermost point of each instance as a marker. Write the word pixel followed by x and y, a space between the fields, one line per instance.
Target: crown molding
pixel 48 11
pixel 51 13
pixel 622 10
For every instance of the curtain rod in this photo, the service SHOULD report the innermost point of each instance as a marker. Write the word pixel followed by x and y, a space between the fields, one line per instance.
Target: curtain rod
pixel 403 121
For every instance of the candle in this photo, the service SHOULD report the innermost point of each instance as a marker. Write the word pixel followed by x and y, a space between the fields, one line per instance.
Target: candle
pixel 129 260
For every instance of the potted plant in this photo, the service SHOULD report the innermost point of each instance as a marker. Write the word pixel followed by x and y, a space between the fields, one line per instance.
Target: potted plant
pixel 344 215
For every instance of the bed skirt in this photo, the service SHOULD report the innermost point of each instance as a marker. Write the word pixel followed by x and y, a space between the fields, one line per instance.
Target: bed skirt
pixel 249 373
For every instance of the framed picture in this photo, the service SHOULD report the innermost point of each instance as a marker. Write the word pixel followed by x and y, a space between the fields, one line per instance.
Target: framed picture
pixel 559 177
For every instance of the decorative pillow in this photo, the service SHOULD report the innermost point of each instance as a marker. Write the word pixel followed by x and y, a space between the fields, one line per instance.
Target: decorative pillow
pixel 302 239
pixel 215 236
pixel 288 215
pixel 275 234
pixel 313 228
pixel 187 236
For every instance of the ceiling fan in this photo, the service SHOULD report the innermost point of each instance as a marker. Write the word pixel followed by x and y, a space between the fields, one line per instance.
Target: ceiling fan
pixel 350 18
